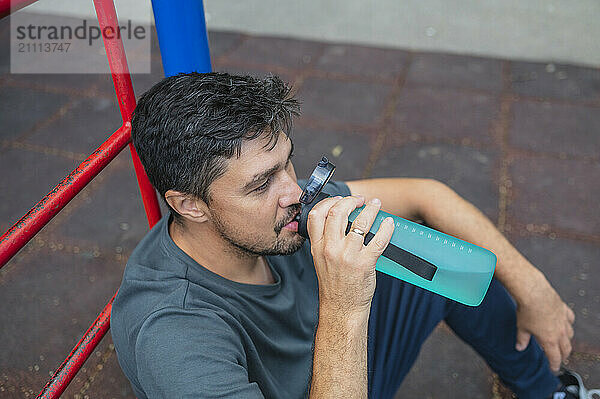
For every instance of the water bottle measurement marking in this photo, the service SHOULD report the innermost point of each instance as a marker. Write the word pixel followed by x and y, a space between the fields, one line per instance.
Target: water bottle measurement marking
pixel 429 235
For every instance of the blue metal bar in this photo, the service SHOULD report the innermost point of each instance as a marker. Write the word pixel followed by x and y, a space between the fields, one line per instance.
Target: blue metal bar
pixel 182 36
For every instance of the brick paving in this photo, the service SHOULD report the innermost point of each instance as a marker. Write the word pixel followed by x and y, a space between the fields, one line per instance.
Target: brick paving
pixel 519 140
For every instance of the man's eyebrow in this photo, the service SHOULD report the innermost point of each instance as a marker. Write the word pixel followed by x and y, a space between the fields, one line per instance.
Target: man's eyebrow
pixel 263 175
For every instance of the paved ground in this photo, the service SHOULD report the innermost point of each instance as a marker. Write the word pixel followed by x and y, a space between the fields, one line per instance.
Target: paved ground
pixel 560 30
pixel 519 140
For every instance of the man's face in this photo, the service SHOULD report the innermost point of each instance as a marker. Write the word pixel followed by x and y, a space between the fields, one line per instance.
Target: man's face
pixel 255 199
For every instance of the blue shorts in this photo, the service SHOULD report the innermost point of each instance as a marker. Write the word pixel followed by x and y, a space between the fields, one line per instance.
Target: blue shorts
pixel 403 315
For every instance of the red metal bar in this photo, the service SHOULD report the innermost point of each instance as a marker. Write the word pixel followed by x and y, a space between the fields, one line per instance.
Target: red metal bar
pixel 147 192
pixel 37 217
pixel 86 345
pixel 18 235
pixel 117 60
pixel 7 7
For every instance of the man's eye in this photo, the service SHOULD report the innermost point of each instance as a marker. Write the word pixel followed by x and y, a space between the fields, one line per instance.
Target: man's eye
pixel 264 186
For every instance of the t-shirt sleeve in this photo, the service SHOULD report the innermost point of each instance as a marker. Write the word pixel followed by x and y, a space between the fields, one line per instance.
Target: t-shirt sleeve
pixel 191 354
pixel 332 187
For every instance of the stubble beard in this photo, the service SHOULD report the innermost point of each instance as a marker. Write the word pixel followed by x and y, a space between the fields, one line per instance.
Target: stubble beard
pixel 245 248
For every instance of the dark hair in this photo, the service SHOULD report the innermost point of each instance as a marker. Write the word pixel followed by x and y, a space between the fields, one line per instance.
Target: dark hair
pixel 186 126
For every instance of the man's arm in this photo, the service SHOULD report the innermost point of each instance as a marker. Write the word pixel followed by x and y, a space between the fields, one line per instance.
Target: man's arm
pixel 346 273
pixel 340 355
pixel 540 311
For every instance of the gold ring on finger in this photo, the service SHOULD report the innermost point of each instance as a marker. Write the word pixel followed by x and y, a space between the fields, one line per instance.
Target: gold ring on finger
pixel 358 231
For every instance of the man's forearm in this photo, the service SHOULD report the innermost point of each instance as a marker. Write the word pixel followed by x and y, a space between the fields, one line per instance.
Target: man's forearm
pixel 340 356
pixel 446 211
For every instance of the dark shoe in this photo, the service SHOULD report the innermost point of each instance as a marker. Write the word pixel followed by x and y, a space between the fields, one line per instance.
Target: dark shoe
pixel 572 387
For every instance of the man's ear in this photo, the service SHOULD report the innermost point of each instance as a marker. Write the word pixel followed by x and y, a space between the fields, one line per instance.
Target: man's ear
pixel 191 208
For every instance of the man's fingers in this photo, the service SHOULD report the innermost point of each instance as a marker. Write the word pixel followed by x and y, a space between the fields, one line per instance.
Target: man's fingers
pixel 570 331
pixel 363 222
pixel 382 238
pixel 565 347
pixel 570 315
pixel 315 223
pixel 554 356
pixel 337 216
pixel 523 338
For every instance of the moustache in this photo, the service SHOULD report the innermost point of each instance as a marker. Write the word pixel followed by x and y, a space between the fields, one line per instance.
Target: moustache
pixel 293 210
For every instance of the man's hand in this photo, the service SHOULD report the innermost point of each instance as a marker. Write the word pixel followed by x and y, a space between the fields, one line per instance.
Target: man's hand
pixel 549 319
pixel 345 267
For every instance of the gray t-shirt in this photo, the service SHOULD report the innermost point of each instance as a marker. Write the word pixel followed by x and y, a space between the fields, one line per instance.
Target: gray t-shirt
pixel 182 331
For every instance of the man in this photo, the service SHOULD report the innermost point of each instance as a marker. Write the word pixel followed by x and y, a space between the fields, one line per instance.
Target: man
pixel 224 299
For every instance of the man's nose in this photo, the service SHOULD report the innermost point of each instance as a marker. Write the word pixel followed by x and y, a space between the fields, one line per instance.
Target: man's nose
pixel 292 193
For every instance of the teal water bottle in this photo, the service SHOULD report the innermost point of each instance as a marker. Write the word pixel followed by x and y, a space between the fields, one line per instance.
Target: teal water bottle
pixel 416 254
pixel 433 260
